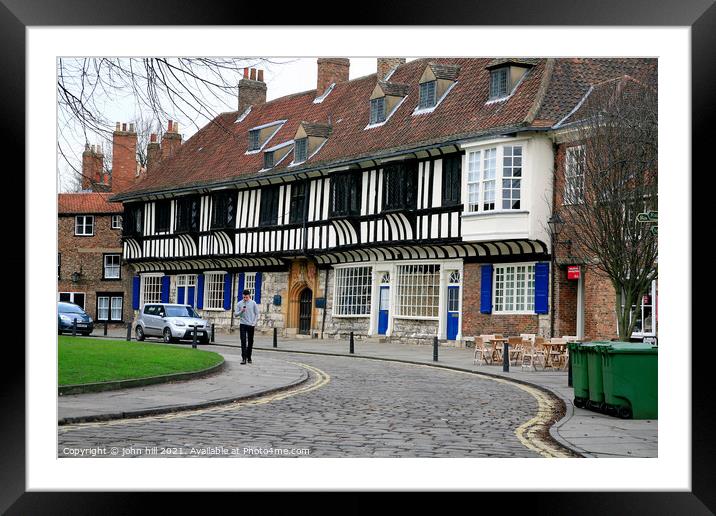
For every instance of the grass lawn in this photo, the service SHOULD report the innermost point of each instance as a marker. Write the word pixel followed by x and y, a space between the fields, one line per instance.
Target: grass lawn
pixel 87 360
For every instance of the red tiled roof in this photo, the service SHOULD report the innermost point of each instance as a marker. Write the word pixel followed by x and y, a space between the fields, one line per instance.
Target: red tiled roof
pixel 217 152
pixel 87 202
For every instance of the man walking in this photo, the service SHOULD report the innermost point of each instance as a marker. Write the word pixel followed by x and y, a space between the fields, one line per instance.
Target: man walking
pixel 248 312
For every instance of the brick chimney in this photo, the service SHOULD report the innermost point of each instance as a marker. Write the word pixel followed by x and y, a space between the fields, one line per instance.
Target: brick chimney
pixel 92 167
pixel 330 70
pixel 387 64
pixel 252 89
pixel 124 157
pixel 171 141
pixel 154 153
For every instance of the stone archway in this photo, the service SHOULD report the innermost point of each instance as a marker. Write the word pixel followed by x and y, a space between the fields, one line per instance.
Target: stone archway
pixel 294 304
pixel 302 276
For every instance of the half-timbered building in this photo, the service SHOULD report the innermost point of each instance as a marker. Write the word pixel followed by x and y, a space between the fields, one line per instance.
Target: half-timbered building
pixel 408 203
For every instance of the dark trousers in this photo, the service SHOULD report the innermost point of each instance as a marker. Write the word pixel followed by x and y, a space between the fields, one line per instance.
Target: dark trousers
pixel 246 333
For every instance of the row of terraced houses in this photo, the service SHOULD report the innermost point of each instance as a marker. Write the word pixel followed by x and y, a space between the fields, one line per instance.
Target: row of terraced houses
pixel 409 203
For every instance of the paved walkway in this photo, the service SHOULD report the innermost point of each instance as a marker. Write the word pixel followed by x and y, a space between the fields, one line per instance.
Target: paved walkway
pixel 588 433
pixel 234 382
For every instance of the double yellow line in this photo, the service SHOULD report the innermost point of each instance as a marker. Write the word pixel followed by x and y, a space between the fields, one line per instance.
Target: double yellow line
pixel 319 379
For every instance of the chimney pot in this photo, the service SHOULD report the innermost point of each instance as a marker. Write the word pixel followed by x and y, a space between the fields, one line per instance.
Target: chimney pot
pixel 169 127
pixel 246 73
pixel 176 127
pixel 153 137
pixel 253 74
pixel 124 127
pixel 131 128
pixel 261 76
pixel 117 127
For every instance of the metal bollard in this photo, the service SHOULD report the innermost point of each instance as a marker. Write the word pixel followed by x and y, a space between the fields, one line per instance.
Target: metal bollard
pixel 105 328
pixel 193 336
pixel 505 357
pixel 569 371
pixel 351 344
pixel 275 339
pixel 212 332
pixel 435 349
pixel 129 331
pixel 74 327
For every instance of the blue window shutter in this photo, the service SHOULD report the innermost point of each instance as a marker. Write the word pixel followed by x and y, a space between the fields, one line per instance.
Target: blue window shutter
pixel 227 290
pixel 240 293
pixel 136 282
pixel 257 297
pixel 486 289
pixel 164 295
pixel 542 287
pixel 200 291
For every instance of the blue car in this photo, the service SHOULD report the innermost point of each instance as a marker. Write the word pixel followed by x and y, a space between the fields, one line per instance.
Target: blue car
pixel 67 313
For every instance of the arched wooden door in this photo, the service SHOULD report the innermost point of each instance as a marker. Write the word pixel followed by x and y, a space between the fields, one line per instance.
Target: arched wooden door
pixel 304 313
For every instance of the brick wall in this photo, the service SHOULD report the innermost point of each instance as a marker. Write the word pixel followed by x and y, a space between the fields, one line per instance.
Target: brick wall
pixel 600 321
pixel 476 323
pixel 565 304
pixel 88 252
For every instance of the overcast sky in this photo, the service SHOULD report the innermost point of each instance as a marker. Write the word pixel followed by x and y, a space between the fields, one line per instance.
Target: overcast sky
pixel 283 76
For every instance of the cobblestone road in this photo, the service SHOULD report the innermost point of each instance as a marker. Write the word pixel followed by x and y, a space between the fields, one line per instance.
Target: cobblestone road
pixel 349 408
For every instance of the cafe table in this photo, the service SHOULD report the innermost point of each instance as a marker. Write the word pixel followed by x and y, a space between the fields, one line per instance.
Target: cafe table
pixel 497 343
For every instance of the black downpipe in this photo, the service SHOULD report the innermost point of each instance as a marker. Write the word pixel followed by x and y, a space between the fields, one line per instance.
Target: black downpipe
pixel 325 304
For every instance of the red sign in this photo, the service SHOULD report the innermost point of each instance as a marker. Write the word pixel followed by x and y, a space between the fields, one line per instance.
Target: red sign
pixel 573 272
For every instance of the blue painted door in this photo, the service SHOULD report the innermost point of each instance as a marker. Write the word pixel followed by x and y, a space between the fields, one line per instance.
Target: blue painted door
pixel 180 295
pixel 191 298
pixel 453 312
pixel 383 310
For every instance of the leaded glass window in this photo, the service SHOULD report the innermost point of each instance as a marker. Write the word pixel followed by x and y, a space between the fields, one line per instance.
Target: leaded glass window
pixel 427 95
pixel 418 290
pixel 353 291
pixel 377 110
pixel 511 177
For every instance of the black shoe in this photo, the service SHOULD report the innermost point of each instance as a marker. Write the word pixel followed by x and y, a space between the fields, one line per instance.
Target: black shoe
pixel 243 362
pixel 249 360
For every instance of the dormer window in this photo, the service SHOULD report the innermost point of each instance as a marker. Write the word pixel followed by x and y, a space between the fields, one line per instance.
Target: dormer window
pixel 268 160
pixel 435 83
pixel 300 151
pixel 427 94
pixel 505 75
pixel 385 100
pixel 308 140
pixel 498 83
pixel 254 140
pixel 377 110
pixel 259 136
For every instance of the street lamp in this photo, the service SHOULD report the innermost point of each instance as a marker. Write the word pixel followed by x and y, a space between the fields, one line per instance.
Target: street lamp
pixel 76 275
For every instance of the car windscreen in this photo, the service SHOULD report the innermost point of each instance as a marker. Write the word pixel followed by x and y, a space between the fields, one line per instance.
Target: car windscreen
pixel 70 309
pixel 180 311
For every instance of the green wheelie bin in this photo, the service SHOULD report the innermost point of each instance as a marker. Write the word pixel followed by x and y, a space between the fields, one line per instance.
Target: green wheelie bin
pixel 630 375
pixel 594 368
pixel 580 378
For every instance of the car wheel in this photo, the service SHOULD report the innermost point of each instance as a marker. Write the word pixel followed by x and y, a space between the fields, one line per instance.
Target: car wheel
pixel 168 335
pixel 140 333
pixel 86 333
pixel 204 340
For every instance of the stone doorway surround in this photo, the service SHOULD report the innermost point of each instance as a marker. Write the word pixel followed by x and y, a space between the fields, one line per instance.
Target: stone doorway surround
pixel 303 274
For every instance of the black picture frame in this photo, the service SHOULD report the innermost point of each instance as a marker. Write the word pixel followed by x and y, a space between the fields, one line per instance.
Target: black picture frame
pixel 699 15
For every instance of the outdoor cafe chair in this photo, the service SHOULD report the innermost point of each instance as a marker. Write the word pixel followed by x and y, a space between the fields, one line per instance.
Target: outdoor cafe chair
pixel 481 350
pixel 515 346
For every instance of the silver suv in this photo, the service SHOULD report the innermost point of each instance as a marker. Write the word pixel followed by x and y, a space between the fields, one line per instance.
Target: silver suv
pixel 171 322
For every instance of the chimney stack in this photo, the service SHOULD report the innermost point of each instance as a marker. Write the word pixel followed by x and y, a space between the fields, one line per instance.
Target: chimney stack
pixel 92 167
pixel 154 153
pixel 330 70
pixel 252 91
pixel 388 64
pixel 124 157
pixel 171 141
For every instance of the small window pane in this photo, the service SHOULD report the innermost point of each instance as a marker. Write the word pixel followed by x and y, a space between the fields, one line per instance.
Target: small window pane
pixel 301 150
pixel 254 140
pixel 377 110
pixel 427 94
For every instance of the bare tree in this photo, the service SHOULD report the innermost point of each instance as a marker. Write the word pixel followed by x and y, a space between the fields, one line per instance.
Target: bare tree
pixel 611 177
pixel 194 90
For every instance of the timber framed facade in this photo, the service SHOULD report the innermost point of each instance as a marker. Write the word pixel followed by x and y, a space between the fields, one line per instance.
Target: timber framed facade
pixel 432 223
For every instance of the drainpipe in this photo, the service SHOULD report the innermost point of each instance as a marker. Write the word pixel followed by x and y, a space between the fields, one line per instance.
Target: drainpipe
pixel 325 305
pixel 552 308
